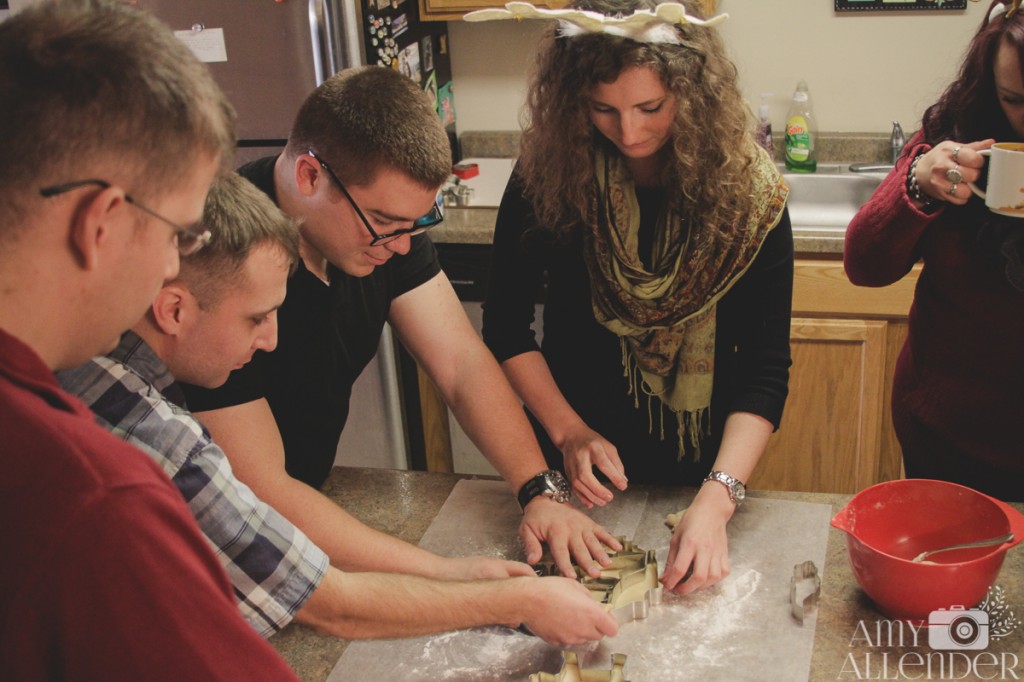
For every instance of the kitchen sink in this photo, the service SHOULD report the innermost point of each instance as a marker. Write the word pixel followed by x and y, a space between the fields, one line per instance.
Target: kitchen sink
pixel 824 202
pixel 821 204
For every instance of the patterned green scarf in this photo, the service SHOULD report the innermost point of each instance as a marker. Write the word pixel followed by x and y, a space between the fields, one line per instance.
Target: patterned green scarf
pixel 665 317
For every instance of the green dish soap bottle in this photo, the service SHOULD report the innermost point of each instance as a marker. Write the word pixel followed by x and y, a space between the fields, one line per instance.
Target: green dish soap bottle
pixel 800 133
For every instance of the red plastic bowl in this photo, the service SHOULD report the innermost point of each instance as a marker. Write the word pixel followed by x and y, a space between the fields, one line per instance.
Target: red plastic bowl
pixel 889 524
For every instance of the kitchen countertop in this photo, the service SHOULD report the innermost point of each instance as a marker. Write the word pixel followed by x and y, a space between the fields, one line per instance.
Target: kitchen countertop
pixel 467 225
pixel 846 643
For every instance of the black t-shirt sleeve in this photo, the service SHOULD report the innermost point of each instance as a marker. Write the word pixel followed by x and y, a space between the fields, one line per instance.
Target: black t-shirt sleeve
pixel 416 267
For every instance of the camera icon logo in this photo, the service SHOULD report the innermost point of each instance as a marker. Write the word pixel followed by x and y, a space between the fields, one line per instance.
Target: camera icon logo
pixel 958 628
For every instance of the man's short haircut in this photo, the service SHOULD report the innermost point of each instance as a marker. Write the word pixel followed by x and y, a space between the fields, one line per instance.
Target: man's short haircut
pixel 240 218
pixel 367 118
pixel 96 88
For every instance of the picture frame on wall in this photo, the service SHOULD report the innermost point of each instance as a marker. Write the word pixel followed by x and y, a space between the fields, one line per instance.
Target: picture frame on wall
pixel 901 5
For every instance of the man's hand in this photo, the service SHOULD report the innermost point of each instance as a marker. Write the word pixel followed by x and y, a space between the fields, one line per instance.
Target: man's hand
pixel 481 568
pixel 562 613
pixel 567 532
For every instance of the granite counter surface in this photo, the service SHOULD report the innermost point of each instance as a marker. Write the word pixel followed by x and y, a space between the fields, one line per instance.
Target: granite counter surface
pixel 476 226
pixel 846 646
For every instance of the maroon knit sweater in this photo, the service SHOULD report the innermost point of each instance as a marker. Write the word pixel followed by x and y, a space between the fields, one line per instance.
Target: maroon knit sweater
pixel 960 377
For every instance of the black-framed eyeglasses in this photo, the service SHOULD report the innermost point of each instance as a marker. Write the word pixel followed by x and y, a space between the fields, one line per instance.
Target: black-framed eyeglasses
pixel 419 226
pixel 189 239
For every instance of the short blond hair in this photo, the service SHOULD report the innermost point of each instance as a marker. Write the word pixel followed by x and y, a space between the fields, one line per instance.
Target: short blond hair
pixel 240 218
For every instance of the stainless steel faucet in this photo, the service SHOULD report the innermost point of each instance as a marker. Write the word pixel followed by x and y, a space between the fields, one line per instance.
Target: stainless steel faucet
pixel 897 141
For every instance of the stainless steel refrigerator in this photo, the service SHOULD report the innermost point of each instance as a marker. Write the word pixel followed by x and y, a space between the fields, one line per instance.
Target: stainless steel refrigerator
pixel 267 56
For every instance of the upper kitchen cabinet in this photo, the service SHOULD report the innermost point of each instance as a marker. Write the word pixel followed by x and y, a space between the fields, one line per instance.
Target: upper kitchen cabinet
pixel 452 10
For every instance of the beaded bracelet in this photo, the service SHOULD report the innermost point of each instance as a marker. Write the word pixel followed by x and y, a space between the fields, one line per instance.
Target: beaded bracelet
pixel 913 189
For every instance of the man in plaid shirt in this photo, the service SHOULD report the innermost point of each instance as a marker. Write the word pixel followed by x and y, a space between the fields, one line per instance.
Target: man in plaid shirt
pixel 209 321
pixel 216 323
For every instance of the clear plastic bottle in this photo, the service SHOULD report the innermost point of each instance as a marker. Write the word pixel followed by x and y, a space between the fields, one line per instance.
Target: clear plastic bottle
pixel 800 133
pixel 763 134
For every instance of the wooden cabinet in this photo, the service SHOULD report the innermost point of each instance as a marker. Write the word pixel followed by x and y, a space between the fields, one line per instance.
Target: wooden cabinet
pixel 452 10
pixel 836 433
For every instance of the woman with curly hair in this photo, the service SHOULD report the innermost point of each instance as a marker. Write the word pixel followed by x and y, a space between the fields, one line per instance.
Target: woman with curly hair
pixel 957 399
pixel 659 230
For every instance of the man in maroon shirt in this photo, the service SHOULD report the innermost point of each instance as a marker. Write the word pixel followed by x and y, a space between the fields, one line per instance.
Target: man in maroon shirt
pixel 112 133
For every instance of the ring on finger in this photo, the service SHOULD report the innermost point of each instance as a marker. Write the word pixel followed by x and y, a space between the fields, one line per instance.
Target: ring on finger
pixel 956 152
pixel 952 189
pixel 954 175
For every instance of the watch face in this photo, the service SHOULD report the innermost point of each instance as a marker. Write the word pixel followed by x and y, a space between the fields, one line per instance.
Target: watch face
pixel 557 487
pixel 740 493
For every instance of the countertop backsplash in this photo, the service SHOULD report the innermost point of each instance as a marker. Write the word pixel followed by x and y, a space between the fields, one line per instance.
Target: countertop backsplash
pixel 830 147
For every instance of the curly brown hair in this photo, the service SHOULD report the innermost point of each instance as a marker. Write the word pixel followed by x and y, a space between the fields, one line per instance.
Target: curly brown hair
pixel 712 147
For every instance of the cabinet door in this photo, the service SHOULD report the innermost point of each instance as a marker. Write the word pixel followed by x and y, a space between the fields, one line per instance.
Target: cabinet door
pixel 831 433
pixel 452 10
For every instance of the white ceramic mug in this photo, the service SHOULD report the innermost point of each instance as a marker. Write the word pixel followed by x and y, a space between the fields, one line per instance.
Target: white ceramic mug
pixel 1005 192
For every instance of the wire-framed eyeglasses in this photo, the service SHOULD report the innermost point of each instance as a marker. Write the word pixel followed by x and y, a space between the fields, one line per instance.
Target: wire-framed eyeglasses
pixel 188 239
pixel 419 226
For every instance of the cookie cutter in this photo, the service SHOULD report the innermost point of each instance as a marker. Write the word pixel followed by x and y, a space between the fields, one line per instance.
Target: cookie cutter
pixel 571 672
pixel 628 587
pixel 804 590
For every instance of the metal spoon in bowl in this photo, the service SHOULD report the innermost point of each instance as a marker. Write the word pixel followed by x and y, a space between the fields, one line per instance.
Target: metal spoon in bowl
pixel 967 545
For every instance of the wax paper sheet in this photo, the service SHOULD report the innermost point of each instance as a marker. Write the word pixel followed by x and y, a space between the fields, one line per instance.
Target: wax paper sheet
pixel 739 629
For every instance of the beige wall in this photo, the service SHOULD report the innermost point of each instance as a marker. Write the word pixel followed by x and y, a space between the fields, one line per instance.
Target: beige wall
pixel 864 70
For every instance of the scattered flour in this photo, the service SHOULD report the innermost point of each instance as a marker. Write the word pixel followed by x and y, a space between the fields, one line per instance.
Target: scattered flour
pixel 738 629
pixel 697 635
pixel 492 653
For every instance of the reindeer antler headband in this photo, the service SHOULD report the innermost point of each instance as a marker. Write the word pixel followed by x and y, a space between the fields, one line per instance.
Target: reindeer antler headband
pixel 1001 8
pixel 643 25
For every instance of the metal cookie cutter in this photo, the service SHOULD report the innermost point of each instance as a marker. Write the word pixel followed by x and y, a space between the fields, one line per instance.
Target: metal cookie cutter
pixel 804 590
pixel 628 587
pixel 571 671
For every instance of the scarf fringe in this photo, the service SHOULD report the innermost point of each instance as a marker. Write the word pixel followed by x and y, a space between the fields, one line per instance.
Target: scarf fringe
pixel 690 426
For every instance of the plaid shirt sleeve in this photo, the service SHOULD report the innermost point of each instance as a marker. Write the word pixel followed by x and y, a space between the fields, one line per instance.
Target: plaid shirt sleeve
pixel 273 566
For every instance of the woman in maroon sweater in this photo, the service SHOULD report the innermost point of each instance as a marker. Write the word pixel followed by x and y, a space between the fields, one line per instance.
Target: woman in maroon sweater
pixel 958 396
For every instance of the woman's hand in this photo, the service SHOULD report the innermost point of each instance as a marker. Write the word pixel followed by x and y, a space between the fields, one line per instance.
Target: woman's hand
pixel 698 555
pixel 583 449
pixel 944 171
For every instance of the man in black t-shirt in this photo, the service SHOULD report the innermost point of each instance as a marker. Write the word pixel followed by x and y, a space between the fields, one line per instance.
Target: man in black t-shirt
pixel 361 172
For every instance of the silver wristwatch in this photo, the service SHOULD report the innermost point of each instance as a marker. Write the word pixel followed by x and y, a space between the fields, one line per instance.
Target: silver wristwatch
pixel 737 491
pixel 550 483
